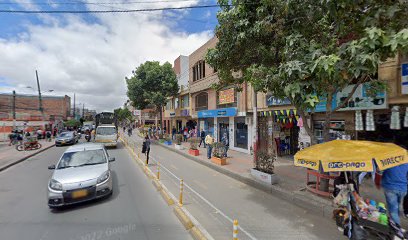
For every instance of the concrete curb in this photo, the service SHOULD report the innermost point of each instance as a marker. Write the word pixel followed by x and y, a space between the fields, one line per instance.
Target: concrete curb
pixel 2 168
pixel 297 199
pixel 188 221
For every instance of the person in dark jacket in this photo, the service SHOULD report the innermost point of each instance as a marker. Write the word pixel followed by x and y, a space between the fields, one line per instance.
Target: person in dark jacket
pixel 202 137
pixel 147 144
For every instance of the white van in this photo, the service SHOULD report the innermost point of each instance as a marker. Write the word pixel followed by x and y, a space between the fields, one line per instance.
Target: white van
pixel 107 134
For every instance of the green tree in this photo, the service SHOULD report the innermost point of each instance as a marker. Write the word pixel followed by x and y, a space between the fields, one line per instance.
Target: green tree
pixel 152 84
pixel 308 50
pixel 72 123
pixel 123 114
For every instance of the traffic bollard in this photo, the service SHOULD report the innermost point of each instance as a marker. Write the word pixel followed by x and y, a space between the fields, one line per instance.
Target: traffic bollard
pixel 181 193
pixel 158 171
pixel 235 230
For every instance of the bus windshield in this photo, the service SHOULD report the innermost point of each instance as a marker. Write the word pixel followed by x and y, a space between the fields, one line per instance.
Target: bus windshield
pixel 106 130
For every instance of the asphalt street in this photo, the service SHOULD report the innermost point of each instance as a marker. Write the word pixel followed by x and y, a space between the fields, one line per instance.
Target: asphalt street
pixel 215 199
pixel 135 210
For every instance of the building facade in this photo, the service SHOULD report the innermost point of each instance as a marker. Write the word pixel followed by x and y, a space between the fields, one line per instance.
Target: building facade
pixel 222 112
pixel 27 111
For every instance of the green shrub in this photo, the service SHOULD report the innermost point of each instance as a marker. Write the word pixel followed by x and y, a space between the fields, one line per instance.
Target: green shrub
pixel 179 139
pixel 194 143
pixel 218 150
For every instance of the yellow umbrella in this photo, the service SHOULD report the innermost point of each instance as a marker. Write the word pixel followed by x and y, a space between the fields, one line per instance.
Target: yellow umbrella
pixel 351 155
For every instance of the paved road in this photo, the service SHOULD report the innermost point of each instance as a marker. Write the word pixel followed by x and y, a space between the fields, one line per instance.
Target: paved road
pixel 135 211
pixel 262 215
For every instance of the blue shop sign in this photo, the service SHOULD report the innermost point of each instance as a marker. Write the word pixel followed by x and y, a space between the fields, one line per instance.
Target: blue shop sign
pixel 223 112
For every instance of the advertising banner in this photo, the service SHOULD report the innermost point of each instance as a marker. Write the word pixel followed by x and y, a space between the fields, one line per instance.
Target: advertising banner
pixel 226 96
pixel 404 78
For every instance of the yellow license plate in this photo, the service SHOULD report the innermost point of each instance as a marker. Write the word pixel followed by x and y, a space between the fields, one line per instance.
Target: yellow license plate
pixel 63 142
pixel 79 193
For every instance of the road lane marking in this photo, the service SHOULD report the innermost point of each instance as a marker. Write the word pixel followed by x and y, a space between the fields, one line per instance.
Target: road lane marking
pixel 200 184
pixel 206 201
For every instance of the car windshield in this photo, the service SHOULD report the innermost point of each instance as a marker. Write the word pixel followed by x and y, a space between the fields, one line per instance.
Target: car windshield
pixel 66 134
pixel 82 158
pixel 106 131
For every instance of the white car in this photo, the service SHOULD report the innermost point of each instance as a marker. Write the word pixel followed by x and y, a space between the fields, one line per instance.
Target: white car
pixel 83 173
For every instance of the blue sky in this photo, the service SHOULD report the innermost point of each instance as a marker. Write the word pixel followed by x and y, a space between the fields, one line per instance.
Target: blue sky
pixel 193 21
pixel 74 53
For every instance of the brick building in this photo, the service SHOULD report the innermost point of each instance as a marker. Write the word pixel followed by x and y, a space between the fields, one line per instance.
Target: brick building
pixel 27 111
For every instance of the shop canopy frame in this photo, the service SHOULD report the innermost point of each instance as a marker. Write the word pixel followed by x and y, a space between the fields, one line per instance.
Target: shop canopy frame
pixel 351 155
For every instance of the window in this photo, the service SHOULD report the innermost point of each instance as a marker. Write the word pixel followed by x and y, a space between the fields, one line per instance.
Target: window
pixel 227 98
pixel 199 70
pixel 168 105
pixel 185 101
pixel 201 101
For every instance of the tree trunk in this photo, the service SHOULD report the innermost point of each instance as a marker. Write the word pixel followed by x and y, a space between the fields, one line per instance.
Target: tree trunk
pixel 255 126
pixel 324 183
pixel 326 126
pixel 161 120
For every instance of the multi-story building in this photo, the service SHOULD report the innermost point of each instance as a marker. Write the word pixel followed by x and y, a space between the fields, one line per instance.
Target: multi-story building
pixel 218 112
pixel 177 111
pixel 27 110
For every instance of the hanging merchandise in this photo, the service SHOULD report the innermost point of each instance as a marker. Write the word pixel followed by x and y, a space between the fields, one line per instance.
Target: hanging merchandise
pixel 370 126
pixel 359 121
pixel 300 122
pixel 395 118
pixel 406 117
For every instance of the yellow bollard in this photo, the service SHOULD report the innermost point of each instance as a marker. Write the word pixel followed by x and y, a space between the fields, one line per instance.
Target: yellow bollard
pixel 158 171
pixel 235 230
pixel 181 193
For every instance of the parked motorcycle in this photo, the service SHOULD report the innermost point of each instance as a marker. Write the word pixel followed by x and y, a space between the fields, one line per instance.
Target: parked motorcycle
pixel 28 146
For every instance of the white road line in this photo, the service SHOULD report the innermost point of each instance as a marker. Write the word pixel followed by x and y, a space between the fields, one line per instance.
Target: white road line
pixel 206 201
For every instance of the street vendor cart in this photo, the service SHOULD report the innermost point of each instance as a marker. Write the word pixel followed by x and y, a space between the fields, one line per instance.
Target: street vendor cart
pixel 358 218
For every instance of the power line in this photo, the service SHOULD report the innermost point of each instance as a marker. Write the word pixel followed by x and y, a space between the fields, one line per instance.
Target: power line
pixel 97 3
pixel 112 11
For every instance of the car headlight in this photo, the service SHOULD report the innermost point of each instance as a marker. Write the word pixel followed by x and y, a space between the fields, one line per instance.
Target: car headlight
pixel 103 177
pixel 55 185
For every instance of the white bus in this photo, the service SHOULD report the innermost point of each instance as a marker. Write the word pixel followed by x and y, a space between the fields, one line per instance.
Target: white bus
pixel 107 134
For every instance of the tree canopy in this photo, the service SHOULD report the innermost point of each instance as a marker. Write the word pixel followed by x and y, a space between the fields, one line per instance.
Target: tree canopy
pixel 310 49
pixel 123 114
pixel 152 83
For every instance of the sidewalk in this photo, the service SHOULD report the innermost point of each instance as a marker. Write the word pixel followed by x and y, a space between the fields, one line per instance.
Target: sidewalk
pixel 9 155
pixel 292 180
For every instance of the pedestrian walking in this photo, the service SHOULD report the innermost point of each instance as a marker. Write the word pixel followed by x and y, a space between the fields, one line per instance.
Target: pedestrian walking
pixel 185 134
pixel 48 135
pixel 173 133
pixel 146 148
pixel 209 141
pixel 202 138
pixel 225 141
pixel 394 181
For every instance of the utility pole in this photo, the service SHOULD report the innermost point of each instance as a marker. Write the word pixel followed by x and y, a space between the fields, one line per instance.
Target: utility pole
pixel 74 107
pixel 40 98
pixel 83 110
pixel 14 109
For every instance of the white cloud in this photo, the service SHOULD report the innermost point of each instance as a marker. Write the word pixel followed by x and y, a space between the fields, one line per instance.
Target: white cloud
pixel 91 59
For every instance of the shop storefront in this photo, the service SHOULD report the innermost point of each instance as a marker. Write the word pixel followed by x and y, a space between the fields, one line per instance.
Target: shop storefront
pixel 278 131
pixel 390 125
pixel 225 121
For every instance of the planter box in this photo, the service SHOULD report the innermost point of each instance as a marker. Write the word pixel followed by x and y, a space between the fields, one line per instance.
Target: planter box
pixel 194 152
pixel 179 147
pixel 169 143
pixel 219 161
pixel 264 177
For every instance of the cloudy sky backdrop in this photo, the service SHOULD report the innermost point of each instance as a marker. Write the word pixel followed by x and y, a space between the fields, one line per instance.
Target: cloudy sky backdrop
pixel 90 54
